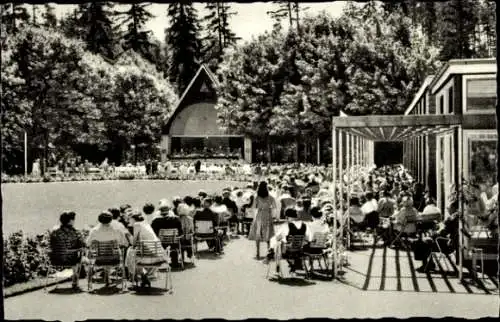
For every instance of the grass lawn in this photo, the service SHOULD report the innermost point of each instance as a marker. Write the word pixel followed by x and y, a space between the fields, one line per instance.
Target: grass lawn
pixel 35 207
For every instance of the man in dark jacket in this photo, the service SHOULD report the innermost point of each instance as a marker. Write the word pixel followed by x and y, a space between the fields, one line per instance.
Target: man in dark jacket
pixel 197 166
pixel 206 214
pixel 232 207
pixel 168 220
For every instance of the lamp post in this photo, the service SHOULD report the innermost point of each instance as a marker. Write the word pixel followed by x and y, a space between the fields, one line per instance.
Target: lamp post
pixel 25 153
pixel 133 153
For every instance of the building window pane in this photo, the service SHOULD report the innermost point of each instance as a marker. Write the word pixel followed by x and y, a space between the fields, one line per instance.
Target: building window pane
pixel 482 160
pixel 441 104
pixel 481 94
pixel 450 100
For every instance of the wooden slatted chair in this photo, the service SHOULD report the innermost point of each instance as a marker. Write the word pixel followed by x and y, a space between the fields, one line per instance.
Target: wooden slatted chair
pixel 204 230
pixel 169 237
pixel 60 257
pixel 292 249
pixel 108 255
pixel 151 254
pixel 317 250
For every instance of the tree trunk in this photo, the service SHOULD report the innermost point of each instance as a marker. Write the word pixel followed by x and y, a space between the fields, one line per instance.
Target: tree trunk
pixel 296 150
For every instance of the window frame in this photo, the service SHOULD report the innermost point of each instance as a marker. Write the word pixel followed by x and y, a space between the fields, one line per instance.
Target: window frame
pixel 465 80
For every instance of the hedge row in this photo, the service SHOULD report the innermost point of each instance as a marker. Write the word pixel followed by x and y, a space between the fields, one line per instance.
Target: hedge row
pixel 25 258
pixel 127 176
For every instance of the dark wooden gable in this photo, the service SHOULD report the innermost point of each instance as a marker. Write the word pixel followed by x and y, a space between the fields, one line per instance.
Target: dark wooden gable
pixel 201 89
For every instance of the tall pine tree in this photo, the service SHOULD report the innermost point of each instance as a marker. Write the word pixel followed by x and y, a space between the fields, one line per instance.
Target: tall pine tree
pixel 290 10
pixel 135 36
pixel 182 38
pixel 49 16
pixel 457 32
pixel 97 28
pixel 220 36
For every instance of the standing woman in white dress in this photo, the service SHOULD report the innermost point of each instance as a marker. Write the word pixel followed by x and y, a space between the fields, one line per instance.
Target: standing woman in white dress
pixel 262 228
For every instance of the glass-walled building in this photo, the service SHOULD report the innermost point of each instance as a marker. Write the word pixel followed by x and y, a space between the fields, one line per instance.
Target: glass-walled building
pixel 466 88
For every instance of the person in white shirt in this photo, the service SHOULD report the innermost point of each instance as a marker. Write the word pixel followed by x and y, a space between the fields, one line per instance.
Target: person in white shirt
pixel 318 225
pixel 370 210
pixel 149 212
pixel 116 224
pixel 142 232
pixel 105 232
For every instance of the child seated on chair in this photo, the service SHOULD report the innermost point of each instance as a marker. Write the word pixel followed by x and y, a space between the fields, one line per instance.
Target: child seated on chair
pixel 294 227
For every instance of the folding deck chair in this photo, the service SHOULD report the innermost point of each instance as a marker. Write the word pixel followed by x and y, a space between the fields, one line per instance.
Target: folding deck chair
pixel 408 228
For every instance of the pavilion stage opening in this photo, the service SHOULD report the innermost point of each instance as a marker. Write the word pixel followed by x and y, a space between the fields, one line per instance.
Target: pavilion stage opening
pixel 230 147
pixel 388 153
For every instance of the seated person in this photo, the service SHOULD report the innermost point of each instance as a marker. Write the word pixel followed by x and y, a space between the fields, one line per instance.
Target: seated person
pixel 220 209
pixel 116 224
pixel 386 204
pixel 69 239
pixel 286 201
pixel 187 227
pixel 148 211
pixel 356 215
pixel 106 232
pixel 142 232
pixel 294 227
pixel 318 225
pixel 230 204
pixel 168 220
pixel 407 214
pixel 370 209
pixel 431 211
pixel 206 214
pixel 449 229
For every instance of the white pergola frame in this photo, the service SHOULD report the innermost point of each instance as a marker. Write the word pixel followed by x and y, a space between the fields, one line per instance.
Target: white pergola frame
pixel 364 131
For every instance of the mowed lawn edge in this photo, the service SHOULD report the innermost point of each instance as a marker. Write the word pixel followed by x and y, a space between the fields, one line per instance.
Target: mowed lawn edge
pixel 28 211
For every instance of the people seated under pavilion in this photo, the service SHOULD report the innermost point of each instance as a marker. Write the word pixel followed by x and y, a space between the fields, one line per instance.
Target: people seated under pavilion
pixel 386 204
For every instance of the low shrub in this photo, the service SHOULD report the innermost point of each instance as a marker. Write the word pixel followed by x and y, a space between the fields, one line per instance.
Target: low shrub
pixel 26 258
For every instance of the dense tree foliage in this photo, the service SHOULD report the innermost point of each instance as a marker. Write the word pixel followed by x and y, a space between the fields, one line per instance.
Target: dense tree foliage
pixel 96 28
pixel 134 34
pixel 359 62
pixel 64 96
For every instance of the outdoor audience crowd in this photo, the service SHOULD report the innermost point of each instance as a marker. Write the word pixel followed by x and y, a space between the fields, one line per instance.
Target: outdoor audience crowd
pixel 385 201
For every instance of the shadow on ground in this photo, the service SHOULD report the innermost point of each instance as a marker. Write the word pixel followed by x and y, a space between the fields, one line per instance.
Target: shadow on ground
pixel 148 290
pixel 292 281
pixel 65 291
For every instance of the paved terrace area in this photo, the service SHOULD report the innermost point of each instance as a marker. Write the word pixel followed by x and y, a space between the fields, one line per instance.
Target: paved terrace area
pixel 378 283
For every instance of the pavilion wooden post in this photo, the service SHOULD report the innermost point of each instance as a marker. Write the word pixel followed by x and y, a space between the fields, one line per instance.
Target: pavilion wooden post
pixel 460 201
pixel 334 191
pixel 348 186
pixel 339 213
